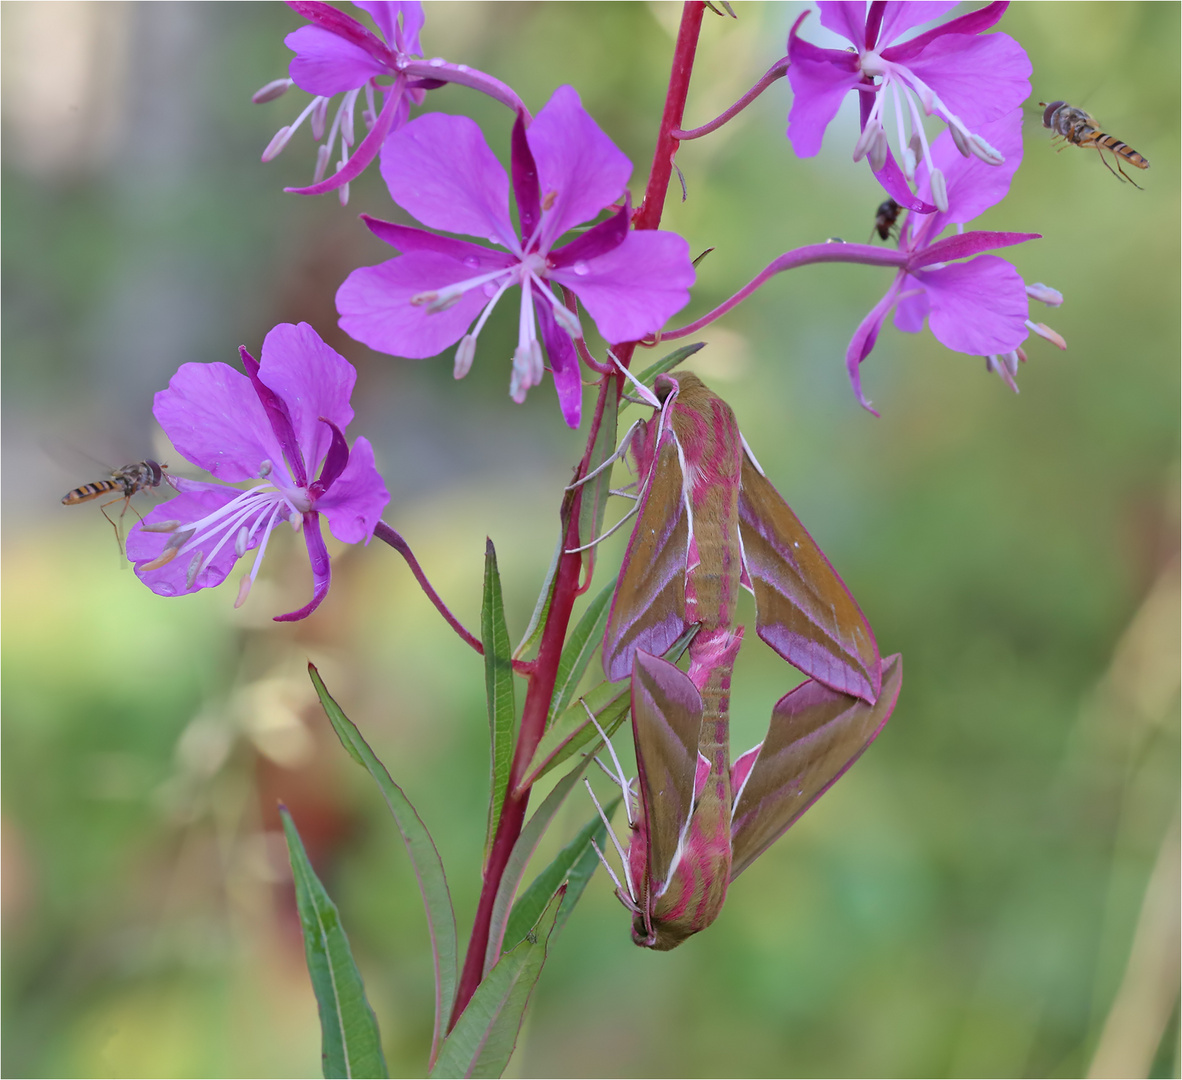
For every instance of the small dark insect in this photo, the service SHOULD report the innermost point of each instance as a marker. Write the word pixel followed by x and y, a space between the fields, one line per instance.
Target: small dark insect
pixel 125 482
pixel 1077 127
pixel 886 218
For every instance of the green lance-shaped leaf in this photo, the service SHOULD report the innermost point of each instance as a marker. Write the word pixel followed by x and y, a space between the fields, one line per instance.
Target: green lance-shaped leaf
pixel 579 648
pixel 424 858
pixel 498 688
pixel 668 362
pixel 574 864
pixel 483 1039
pixel 526 843
pixel 351 1045
pixel 537 621
pixel 596 491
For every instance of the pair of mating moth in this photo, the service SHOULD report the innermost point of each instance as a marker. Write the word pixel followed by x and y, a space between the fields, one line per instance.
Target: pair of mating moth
pixel 708 523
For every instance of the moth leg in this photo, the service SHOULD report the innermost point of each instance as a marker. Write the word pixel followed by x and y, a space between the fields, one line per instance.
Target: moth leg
pixel 631 890
pixel 618 453
pixel 591 543
pixel 618 776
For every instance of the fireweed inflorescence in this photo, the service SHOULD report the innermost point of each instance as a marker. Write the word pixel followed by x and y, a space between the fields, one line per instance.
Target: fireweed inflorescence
pixel 708 522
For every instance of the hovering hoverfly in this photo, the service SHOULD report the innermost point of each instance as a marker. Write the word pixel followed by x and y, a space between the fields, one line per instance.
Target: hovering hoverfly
pixel 1077 127
pixel 886 217
pixel 125 482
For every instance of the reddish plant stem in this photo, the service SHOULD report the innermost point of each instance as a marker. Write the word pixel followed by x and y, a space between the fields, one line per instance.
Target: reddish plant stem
pixel 566 587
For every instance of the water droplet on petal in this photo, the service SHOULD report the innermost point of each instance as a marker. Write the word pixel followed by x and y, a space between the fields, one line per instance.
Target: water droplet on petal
pixel 472 262
pixel 459 67
pixel 164 589
pixel 581 268
pixel 437 61
pixel 489 289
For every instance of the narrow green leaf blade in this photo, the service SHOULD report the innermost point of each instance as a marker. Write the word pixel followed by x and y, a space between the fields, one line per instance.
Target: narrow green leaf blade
pixel 424 858
pixel 579 648
pixel 537 622
pixel 483 1039
pixel 498 687
pixel 593 502
pixel 351 1045
pixel 668 362
pixel 575 865
pixel 526 843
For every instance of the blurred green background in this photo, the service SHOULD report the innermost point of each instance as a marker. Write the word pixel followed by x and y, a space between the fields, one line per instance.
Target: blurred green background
pixel 991 892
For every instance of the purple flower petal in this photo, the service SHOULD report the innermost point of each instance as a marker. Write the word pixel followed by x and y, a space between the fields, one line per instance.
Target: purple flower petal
pixel 564 366
pixel 972 23
pixel 355 501
pixel 895 184
pixel 632 290
pixel 193 503
pixel 375 308
pixel 580 170
pixel 321 570
pixel 525 180
pixel 974 186
pixel 385 16
pixel 328 64
pixel 898 18
pixel 440 169
pixel 912 308
pixel 313 380
pixel 977 78
pixel 978 307
pixel 278 417
pixel 865 337
pixel 406 238
pixel 596 241
pixel 215 420
pixel 844 17
pixel 820 80
pixel 965 244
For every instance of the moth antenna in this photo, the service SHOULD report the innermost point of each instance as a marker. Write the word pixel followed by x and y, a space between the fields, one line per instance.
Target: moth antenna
pixel 646 395
pixel 618 776
pixel 618 453
pixel 615 842
pixel 592 543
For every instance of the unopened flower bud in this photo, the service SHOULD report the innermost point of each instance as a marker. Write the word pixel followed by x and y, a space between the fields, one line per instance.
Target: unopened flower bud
pixel 1039 291
pixel 465 354
pixel 277 143
pixel 274 89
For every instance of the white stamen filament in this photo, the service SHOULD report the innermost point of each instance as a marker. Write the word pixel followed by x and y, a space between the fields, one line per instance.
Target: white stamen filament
pixel 563 315
pixel 319 118
pixel 278 141
pixel 370 116
pixel 347 135
pixel 442 299
pixel 244 589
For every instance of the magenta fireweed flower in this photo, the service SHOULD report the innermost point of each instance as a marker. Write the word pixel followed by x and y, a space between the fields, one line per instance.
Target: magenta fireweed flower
pixel 950 72
pixel 980 306
pixel 565 171
pixel 338 55
pixel 281 422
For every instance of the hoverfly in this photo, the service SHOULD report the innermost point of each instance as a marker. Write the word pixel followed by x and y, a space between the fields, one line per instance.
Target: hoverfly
pixel 1076 126
pixel 125 482
pixel 886 217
